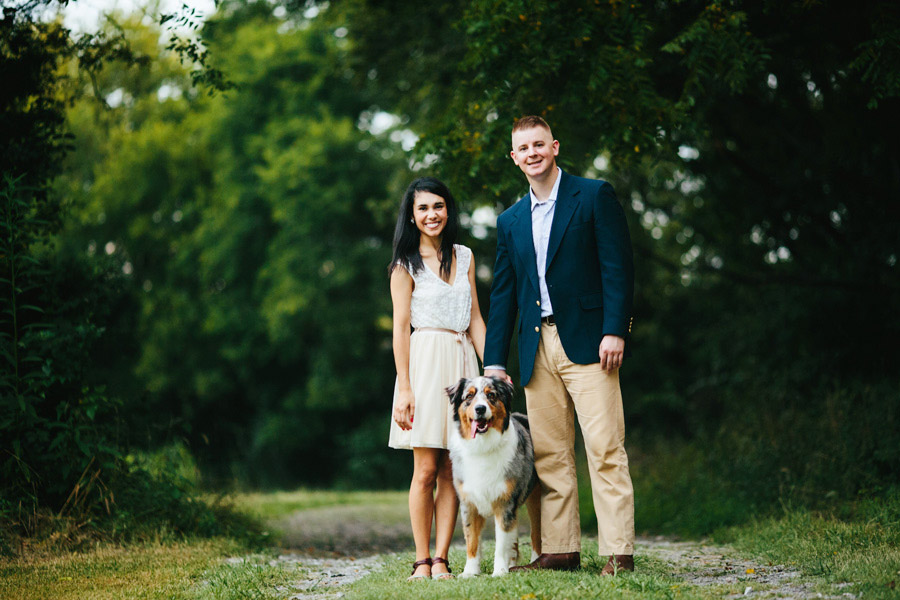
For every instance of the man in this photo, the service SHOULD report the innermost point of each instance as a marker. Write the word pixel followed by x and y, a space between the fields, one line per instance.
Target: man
pixel 564 268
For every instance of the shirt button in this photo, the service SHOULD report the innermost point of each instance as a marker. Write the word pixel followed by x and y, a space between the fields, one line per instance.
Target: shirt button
pixel 537 329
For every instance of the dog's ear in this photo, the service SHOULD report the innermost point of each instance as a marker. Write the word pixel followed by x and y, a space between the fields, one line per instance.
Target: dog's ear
pixel 506 393
pixel 504 389
pixel 453 389
pixel 454 393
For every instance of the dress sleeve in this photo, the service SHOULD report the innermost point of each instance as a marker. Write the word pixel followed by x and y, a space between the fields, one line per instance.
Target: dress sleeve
pixel 463 259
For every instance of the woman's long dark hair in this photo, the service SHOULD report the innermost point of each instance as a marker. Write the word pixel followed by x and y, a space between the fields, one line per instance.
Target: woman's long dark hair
pixel 406 234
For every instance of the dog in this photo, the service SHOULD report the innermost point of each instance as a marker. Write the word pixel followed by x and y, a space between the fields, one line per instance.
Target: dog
pixel 493 470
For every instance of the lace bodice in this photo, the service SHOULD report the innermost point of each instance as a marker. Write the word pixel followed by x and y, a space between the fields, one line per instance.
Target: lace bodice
pixel 436 303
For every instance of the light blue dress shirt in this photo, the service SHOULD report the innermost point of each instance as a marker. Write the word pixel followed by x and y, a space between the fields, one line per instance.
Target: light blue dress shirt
pixel 541 220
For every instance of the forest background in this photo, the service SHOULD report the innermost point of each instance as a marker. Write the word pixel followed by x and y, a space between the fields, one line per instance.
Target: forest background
pixel 195 235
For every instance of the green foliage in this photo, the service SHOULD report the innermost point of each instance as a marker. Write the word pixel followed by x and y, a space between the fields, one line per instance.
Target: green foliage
pixel 840 458
pixel 164 506
pixel 369 464
pixel 57 427
pixel 60 446
pixel 32 103
pixel 751 164
pixel 63 474
pixel 221 280
pixel 254 233
pixel 678 492
pixel 191 50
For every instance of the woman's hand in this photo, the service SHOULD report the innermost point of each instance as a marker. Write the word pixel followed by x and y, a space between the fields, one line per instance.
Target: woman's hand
pixel 405 409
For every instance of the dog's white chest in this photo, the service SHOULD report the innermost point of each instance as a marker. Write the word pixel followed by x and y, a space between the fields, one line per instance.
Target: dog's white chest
pixel 481 466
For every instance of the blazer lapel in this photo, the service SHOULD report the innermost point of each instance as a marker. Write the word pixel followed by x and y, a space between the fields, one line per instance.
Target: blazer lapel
pixel 523 239
pixel 565 208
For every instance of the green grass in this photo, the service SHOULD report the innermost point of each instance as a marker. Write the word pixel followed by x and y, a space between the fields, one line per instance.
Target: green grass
pixel 865 553
pixel 651 580
pixel 255 577
pixel 195 570
pixel 863 549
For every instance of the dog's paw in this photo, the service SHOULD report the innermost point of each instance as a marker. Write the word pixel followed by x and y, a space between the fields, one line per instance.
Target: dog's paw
pixel 473 568
pixel 500 572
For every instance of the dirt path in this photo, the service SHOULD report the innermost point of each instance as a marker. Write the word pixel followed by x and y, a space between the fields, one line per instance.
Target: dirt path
pixel 337 545
pixel 698 563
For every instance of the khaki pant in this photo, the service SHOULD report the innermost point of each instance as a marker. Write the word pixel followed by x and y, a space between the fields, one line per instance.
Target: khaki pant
pixel 557 389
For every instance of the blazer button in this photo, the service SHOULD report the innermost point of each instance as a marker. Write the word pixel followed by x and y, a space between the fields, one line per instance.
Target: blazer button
pixel 538 302
pixel 537 329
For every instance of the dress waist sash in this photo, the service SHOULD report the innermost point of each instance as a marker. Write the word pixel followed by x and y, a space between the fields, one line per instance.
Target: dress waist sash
pixel 462 337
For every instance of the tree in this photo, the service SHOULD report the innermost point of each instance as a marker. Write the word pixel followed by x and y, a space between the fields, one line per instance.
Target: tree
pixel 750 143
pixel 254 229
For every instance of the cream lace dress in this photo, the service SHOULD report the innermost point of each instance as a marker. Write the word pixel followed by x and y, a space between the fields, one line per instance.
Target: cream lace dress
pixel 440 352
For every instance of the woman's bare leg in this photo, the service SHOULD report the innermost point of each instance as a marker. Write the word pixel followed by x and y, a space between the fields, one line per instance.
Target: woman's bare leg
pixel 446 507
pixel 421 501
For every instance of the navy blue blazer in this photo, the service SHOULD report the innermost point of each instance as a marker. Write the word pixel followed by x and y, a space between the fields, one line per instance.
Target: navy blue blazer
pixel 590 276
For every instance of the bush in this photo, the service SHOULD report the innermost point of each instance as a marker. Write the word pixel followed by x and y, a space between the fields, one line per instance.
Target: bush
pixel 370 463
pixel 59 430
pixel 835 448
pixel 63 475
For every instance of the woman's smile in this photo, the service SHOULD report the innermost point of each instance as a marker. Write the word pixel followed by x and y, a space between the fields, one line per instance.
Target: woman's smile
pixel 430 213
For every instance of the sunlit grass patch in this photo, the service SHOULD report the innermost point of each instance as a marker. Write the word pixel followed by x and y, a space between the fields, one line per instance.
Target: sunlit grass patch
pixel 114 572
pixel 198 570
pixel 255 577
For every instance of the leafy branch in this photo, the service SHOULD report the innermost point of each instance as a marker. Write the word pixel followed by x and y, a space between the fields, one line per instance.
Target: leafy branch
pixel 191 50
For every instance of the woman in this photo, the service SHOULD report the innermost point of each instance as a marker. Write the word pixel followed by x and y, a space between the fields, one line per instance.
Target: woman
pixel 432 289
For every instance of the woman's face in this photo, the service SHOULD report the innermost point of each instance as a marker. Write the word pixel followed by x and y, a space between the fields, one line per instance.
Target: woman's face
pixel 430 213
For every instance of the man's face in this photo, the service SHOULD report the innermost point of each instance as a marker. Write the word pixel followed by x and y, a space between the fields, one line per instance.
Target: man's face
pixel 534 151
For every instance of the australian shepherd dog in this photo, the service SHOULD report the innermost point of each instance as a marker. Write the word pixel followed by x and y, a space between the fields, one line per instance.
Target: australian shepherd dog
pixel 493 470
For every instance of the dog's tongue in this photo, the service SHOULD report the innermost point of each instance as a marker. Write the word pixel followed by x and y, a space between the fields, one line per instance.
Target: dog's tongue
pixel 474 429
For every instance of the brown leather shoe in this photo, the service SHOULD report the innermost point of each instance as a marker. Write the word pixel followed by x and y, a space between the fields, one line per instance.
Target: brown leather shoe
pixel 618 562
pixel 568 561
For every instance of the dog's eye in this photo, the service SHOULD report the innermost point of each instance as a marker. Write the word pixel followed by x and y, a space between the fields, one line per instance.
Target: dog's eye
pixel 491 396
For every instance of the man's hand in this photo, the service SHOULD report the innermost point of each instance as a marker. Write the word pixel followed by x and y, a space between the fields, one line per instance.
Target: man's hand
pixel 612 350
pixel 499 374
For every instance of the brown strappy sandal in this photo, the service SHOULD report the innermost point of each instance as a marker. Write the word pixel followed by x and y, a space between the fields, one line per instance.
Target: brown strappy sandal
pixel 437 560
pixel 416 565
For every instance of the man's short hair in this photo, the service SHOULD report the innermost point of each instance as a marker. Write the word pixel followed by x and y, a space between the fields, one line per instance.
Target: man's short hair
pixel 529 122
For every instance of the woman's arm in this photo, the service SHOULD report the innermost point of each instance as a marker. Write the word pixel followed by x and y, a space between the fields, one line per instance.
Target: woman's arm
pixel 401 296
pixel 477 328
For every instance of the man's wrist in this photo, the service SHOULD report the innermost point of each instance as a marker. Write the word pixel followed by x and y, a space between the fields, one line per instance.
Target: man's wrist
pixel 495 368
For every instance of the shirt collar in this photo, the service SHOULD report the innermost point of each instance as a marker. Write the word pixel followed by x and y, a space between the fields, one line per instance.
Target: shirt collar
pixel 553 193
